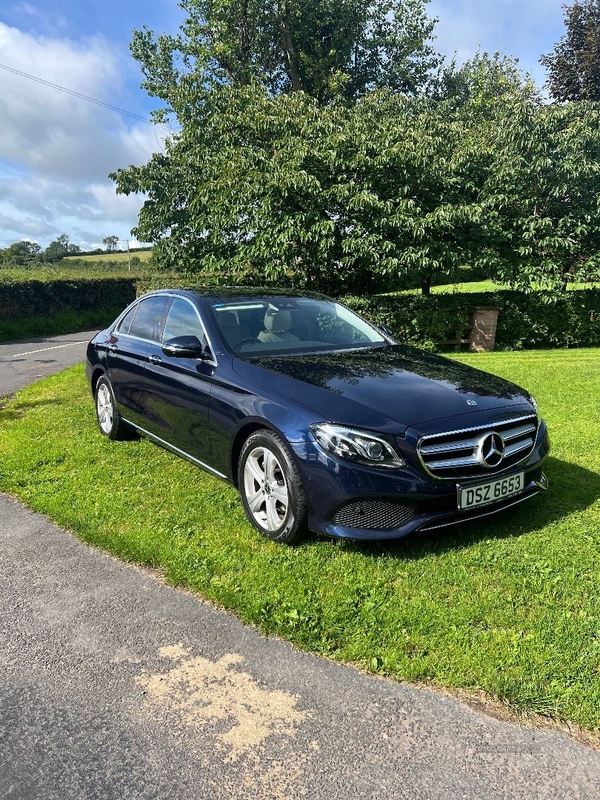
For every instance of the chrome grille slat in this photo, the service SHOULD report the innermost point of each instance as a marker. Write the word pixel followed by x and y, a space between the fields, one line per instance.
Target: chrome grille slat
pixel 463 448
pixel 450 463
pixel 517 447
pixel 518 432
pixel 445 448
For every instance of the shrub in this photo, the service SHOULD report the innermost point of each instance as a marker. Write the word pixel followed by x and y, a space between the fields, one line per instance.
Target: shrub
pixel 20 300
pixel 525 321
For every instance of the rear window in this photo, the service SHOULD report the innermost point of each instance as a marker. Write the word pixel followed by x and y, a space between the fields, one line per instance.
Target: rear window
pixel 148 318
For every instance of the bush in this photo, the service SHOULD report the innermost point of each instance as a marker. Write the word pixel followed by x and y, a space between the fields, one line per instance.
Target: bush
pixel 30 299
pixel 525 321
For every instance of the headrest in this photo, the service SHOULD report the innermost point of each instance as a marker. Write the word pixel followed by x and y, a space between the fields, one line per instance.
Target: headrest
pixel 227 319
pixel 278 321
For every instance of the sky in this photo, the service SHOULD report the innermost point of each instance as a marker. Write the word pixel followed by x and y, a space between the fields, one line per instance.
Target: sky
pixel 56 149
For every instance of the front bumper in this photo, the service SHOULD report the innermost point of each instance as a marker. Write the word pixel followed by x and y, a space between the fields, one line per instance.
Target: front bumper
pixel 355 502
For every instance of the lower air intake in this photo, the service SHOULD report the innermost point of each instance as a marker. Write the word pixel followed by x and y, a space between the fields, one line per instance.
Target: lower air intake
pixel 379 515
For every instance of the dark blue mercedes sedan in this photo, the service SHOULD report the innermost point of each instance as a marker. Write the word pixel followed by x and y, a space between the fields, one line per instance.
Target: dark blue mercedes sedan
pixel 321 420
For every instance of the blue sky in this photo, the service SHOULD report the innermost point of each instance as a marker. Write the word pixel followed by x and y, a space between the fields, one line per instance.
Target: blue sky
pixel 56 150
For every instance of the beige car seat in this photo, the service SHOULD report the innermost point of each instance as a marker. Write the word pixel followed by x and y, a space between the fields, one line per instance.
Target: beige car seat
pixel 277 327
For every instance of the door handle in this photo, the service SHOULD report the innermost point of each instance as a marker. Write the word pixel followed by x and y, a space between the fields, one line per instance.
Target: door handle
pixel 155 359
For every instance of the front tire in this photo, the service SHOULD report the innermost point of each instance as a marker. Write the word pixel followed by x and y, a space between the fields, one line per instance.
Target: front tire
pixel 107 415
pixel 270 487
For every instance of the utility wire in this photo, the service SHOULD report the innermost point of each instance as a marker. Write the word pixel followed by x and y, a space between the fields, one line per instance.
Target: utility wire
pixel 82 96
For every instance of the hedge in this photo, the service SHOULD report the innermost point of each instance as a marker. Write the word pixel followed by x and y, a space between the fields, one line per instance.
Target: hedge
pixel 20 300
pixel 525 321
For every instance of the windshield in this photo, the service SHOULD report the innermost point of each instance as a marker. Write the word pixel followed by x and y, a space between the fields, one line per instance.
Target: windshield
pixel 277 325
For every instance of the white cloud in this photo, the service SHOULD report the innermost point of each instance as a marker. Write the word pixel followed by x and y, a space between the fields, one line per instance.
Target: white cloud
pixel 56 150
pixel 525 30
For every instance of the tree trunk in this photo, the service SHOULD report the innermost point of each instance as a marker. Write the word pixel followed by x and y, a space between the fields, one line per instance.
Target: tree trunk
pixel 290 51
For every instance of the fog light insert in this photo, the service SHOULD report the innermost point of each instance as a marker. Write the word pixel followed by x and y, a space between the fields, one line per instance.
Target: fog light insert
pixel 378 515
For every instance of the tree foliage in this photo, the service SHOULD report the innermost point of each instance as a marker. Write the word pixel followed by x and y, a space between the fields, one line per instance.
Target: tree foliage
pixel 574 64
pixel 337 182
pixel 344 197
pixel 541 194
pixel 26 253
pixel 322 49
pixel 484 79
pixel 110 242
pixel 21 253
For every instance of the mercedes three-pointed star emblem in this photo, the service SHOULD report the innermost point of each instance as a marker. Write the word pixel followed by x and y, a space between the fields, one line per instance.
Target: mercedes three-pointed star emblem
pixel 490 450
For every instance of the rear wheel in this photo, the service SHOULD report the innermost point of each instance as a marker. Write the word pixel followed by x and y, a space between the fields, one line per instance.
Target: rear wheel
pixel 107 414
pixel 270 487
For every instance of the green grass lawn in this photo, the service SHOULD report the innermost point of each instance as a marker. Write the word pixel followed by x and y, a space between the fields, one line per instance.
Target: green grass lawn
pixel 99 258
pixel 477 287
pixel 509 605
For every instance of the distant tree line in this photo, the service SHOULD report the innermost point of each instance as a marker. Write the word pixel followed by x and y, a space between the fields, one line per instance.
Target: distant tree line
pixel 26 253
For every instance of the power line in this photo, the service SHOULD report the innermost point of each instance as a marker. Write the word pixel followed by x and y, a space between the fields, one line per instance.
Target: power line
pixel 81 96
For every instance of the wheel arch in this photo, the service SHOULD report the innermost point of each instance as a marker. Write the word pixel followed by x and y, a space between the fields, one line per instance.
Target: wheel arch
pixel 97 373
pixel 244 432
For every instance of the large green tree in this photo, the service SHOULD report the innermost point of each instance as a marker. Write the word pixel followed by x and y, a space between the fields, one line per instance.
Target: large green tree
pixel 315 173
pixel 343 197
pixel 541 194
pixel 574 64
pixel 322 49
pixel 265 95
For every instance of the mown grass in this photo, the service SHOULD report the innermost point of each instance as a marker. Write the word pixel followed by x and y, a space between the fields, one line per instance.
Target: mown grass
pixel 490 286
pixel 509 605
pixel 477 287
pixel 121 257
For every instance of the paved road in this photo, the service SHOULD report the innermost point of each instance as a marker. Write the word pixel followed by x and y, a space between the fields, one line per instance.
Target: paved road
pixel 113 685
pixel 31 359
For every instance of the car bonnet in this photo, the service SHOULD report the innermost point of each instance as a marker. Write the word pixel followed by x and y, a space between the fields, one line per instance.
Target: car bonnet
pixel 387 388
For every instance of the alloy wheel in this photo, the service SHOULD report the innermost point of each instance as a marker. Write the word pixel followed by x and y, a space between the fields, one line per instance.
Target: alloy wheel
pixel 266 489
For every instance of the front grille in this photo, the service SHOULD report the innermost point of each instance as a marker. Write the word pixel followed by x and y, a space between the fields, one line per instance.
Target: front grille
pixel 472 452
pixel 380 515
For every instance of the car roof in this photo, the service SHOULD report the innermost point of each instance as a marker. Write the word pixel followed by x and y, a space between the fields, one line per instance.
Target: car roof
pixel 215 293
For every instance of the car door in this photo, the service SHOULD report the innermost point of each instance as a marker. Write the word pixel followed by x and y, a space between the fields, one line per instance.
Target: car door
pixel 178 389
pixel 127 355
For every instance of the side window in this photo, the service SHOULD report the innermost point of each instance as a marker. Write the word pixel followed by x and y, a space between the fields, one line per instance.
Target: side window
pixel 183 321
pixel 149 319
pixel 125 323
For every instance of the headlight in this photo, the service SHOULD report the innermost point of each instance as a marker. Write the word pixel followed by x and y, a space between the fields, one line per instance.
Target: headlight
pixel 533 402
pixel 360 447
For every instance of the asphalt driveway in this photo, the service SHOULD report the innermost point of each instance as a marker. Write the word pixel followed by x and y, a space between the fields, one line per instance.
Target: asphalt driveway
pixel 29 360
pixel 115 685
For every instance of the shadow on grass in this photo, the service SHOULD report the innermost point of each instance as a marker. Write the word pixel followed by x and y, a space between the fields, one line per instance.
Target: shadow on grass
pixel 572 489
pixel 11 414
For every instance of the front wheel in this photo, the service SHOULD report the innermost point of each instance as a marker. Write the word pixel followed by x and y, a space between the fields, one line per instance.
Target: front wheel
pixel 270 487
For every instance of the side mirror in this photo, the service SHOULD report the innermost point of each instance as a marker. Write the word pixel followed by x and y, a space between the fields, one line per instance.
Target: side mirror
pixel 385 330
pixel 185 347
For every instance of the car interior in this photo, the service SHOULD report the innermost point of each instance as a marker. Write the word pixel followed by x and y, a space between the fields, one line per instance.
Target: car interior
pixel 250 327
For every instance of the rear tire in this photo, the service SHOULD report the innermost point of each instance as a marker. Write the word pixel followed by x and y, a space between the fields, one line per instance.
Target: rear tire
pixel 270 487
pixel 107 415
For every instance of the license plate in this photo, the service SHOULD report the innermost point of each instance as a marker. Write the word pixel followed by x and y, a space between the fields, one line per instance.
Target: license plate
pixel 485 494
